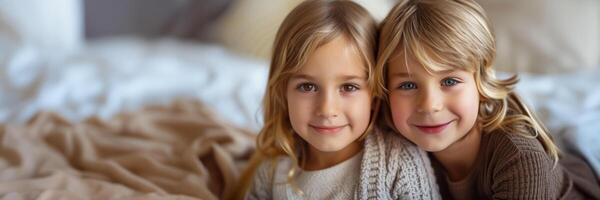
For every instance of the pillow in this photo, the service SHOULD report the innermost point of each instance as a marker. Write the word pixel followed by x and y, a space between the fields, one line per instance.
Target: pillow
pixel 249 26
pixel 105 18
pixel 197 19
pixel 152 18
pixel 545 36
pixel 51 25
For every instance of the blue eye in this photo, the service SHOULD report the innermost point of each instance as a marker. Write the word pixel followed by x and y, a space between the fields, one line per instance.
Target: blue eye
pixel 349 88
pixel 407 86
pixel 449 82
pixel 306 87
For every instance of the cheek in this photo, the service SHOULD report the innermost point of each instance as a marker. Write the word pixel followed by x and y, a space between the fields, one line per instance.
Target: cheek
pixel 298 109
pixel 468 104
pixel 360 110
pixel 400 109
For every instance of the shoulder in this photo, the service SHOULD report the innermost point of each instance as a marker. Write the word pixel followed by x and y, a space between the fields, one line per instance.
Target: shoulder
pixel 518 166
pixel 386 147
pixel 266 170
pixel 267 173
pixel 388 140
pixel 510 146
pixel 402 168
pixel 397 147
pixel 508 150
pixel 270 168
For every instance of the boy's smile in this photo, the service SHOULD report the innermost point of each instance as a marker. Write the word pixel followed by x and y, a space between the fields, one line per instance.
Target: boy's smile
pixel 433 109
pixel 434 128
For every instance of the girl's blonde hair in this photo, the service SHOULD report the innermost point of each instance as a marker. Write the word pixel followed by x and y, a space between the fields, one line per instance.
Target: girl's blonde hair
pixel 454 34
pixel 310 25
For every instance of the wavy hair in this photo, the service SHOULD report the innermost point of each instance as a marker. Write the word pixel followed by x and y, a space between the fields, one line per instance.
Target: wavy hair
pixel 454 34
pixel 310 25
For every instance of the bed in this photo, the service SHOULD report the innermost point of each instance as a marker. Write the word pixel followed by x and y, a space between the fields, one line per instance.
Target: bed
pixel 87 116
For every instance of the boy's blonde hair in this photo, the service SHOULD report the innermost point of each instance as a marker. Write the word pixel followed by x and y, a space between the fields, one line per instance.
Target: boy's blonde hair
pixel 454 34
pixel 310 25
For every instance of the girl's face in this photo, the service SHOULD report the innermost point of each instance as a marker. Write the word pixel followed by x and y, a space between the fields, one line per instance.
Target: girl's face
pixel 433 110
pixel 328 99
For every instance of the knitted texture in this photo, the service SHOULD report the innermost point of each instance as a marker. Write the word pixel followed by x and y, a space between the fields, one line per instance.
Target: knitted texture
pixel 511 166
pixel 391 168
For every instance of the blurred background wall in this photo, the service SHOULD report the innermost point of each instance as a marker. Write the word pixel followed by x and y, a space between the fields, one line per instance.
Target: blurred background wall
pixel 539 36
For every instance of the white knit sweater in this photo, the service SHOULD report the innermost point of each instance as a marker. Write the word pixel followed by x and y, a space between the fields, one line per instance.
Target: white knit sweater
pixel 391 168
pixel 338 182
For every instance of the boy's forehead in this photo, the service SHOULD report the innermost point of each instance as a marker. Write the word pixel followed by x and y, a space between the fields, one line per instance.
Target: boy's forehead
pixel 398 53
pixel 403 56
pixel 408 65
pixel 401 60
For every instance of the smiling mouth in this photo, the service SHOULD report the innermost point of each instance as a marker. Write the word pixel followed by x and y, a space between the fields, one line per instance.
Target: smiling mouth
pixel 327 129
pixel 433 129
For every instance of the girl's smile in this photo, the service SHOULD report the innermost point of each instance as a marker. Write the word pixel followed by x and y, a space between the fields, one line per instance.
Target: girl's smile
pixel 327 129
pixel 329 101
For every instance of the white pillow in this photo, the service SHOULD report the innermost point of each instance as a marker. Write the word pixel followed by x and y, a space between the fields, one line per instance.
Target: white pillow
pixel 48 24
pixel 545 36
pixel 250 26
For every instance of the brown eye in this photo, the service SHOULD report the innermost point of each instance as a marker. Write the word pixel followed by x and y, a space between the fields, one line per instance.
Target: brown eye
pixel 306 87
pixel 349 88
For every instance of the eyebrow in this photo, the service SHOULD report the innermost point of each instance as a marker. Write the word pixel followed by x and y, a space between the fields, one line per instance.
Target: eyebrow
pixel 301 76
pixel 352 77
pixel 344 77
pixel 405 74
pixel 401 74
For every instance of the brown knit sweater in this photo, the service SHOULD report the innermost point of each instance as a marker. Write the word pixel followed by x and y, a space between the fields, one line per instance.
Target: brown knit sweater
pixel 511 166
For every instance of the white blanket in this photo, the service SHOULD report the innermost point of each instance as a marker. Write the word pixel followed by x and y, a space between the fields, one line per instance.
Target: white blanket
pixel 569 105
pixel 124 74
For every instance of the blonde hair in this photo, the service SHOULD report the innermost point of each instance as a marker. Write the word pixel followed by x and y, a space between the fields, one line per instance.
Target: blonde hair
pixel 308 26
pixel 454 34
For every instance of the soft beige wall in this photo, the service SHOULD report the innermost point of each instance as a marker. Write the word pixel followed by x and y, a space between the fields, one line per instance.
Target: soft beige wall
pixel 539 36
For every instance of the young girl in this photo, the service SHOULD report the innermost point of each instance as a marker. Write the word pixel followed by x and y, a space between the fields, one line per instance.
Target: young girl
pixel 435 59
pixel 318 140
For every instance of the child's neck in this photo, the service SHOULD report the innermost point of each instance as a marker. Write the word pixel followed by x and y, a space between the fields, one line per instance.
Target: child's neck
pixel 317 160
pixel 459 158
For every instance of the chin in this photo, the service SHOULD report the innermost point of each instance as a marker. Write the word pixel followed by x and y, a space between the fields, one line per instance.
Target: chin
pixel 328 148
pixel 432 147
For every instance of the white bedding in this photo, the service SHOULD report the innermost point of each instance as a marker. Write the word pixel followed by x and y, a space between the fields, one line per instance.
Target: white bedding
pixel 569 105
pixel 123 74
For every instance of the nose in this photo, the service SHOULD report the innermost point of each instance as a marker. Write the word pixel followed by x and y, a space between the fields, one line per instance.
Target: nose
pixel 328 103
pixel 430 101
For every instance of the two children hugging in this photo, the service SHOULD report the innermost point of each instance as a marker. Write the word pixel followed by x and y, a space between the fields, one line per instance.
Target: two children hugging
pixel 408 110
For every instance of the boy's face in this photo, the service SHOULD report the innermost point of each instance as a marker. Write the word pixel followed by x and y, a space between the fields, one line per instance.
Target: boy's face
pixel 328 99
pixel 432 110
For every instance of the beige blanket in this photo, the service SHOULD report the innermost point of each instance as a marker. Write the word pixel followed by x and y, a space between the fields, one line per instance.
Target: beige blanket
pixel 177 152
